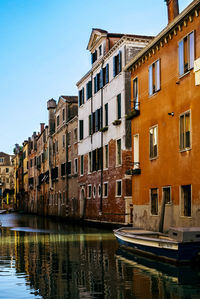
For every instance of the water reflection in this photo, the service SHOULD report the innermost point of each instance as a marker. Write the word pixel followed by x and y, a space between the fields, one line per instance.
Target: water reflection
pixel 40 258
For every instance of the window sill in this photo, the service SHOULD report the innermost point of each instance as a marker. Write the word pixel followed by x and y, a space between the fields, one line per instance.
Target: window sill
pixel 118 196
pixel 187 217
pixel 154 158
pixel 185 74
pixel 152 215
pixel 185 150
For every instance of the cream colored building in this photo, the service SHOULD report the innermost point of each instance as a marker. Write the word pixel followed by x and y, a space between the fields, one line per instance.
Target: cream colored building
pixel 6 175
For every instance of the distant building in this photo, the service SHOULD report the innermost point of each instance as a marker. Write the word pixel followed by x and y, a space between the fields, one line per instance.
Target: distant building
pixel 62 145
pixel 104 147
pixel 165 96
pixel 6 177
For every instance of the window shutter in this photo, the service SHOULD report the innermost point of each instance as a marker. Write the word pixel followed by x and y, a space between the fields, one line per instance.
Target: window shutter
pixel 89 120
pixel 83 95
pixel 106 114
pixel 158 75
pixel 191 49
pixel 79 98
pixel 96 82
pixel 150 80
pixel 96 120
pixel 93 122
pixel 101 78
pixel 107 73
pixel 87 92
pixel 91 58
pixel 181 58
pixel 95 85
pixel 114 66
pixel 101 118
pixel 90 89
pixel 81 129
pixel 119 106
pixel 120 61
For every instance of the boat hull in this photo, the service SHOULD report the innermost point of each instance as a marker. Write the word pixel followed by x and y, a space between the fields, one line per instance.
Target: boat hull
pixel 174 252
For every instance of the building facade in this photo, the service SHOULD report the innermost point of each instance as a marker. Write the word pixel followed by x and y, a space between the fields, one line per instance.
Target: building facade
pixel 104 147
pixel 165 124
pixel 6 178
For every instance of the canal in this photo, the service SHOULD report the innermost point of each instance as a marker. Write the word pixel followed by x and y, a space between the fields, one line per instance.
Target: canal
pixel 41 258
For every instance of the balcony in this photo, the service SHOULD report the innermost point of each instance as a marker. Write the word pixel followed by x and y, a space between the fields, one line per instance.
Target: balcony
pixel 135 110
pixel 136 170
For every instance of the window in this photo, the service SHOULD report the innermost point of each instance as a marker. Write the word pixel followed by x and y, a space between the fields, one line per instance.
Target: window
pixel 75 165
pixel 90 162
pixel 89 191
pixel 94 56
pixel 99 190
pixel 1 160
pixel 105 189
pixel 58 120
pixel 186 53
pixel 56 143
pixel 154 77
pixel 89 90
pixel 117 64
pixel 82 166
pixel 106 156
pixel 185 131
pixel 104 76
pixel 69 138
pixel 119 158
pixel 63 115
pixel 136 163
pixel 94 191
pixel 153 134
pixel 7 170
pixel 119 106
pixel 97 83
pixel 81 97
pixel 81 129
pixel 100 50
pixel 119 188
pixel 63 168
pixel 7 180
pixel 186 200
pixel 31 162
pixel 106 114
pixel 63 198
pixel 154 201
pixel 75 135
pixel 167 195
pixel 90 124
pixel 94 160
pixel 135 94
pixel 69 167
pixel 63 140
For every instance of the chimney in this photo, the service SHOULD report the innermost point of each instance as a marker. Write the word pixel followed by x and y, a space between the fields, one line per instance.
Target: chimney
pixel 173 9
pixel 41 127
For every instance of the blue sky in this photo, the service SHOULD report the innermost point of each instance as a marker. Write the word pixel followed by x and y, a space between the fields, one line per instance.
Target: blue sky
pixel 43 52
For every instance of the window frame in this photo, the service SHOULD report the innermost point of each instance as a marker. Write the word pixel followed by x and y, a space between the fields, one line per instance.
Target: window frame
pixel 118 161
pixel 181 67
pixel 105 196
pixel 154 156
pixel 81 165
pixel 185 148
pixel 75 165
pixel 182 202
pixel 157 203
pixel 116 194
pixel 170 193
pixel 104 156
pixel 154 77
pixel 89 187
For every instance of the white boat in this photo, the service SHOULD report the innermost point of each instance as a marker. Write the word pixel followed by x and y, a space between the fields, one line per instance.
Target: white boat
pixel 180 245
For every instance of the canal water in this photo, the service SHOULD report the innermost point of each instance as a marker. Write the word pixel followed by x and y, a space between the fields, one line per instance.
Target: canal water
pixel 41 258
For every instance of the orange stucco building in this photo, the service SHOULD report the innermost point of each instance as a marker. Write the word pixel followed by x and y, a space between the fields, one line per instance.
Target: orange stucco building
pixel 165 97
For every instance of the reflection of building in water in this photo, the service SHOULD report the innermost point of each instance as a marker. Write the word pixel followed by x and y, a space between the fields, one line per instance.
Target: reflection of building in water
pixel 82 264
